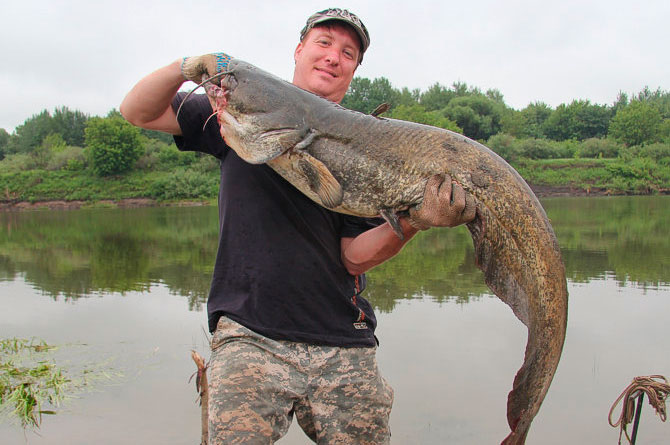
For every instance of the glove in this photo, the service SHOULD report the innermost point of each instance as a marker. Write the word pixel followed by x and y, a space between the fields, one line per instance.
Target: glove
pixel 445 204
pixel 200 68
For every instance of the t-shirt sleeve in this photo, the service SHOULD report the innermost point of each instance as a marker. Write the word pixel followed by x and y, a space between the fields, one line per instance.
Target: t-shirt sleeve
pixel 354 226
pixel 196 136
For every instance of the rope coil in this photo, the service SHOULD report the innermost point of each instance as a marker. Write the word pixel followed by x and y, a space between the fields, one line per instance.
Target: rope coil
pixel 656 390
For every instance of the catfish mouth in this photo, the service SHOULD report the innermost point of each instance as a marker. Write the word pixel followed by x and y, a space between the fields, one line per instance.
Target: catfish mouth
pixel 219 88
pixel 220 85
pixel 228 82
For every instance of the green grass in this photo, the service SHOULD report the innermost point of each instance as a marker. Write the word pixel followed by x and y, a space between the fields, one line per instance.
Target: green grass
pixel 28 380
pixel 45 185
pixel 636 175
pixel 616 176
pixel 32 384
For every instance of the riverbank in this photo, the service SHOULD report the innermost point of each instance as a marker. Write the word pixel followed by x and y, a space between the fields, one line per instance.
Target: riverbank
pixel 541 191
pixel 199 185
pixel 79 204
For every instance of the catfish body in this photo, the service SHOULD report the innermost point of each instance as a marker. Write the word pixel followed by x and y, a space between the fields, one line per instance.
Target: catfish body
pixel 367 166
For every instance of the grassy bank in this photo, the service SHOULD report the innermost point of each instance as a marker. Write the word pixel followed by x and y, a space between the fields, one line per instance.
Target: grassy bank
pixel 160 186
pixel 581 176
pixel 605 176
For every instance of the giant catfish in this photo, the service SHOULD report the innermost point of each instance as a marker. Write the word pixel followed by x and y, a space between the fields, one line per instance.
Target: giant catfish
pixel 367 166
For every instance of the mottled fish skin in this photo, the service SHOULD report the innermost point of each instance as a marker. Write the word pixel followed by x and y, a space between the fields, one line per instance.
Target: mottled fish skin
pixel 365 165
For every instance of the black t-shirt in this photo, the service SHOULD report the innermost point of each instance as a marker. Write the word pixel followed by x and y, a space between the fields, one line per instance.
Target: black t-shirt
pixel 278 269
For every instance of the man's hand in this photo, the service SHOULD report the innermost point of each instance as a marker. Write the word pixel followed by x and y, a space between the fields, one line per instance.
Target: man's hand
pixel 200 68
pixel 445 204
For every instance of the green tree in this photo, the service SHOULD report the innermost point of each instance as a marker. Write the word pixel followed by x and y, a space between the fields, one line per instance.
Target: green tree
pixel 409 97
pixel 579 120
pixel 113 145
pixel 29 136
pixel 479 116
pixel 658 97
pixel 416 113
pixel 637 123
pixel 31 133
pixel 4 141
pixel 495 95
pixel 512 123
pixel 534 116
pixel 70 124
pixel 365 95
pixel 54 142
pixel 436 97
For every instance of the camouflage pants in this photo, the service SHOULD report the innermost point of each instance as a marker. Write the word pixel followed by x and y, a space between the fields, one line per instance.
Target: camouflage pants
pixel 257 384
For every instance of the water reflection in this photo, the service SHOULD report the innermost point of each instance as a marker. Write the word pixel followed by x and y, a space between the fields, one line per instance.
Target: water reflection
pixel 74 254
pixel 451 364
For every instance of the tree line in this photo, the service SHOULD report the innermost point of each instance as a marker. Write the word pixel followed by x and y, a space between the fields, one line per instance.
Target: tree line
pixel 640 119
pixel 70 139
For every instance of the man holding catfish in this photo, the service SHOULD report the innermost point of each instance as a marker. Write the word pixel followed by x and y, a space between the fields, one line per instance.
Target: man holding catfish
pixel 292 334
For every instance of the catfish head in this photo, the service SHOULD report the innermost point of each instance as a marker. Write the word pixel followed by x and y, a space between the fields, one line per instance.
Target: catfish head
pixel 260 117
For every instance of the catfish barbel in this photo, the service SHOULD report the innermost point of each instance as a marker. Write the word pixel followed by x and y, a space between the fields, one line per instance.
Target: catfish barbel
pixel 367 166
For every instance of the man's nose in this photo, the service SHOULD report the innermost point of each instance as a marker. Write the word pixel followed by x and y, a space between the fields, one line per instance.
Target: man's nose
pixel 333 57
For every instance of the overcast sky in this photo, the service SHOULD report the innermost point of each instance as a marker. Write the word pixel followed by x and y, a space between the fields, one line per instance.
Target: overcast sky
pixel 87 54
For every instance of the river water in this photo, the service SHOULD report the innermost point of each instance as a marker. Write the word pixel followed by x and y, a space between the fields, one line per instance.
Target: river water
pixel 125 290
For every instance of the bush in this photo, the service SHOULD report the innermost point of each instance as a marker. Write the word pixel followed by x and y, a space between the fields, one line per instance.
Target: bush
pixel 598 148
pixel 418 114
pixel 161 156
pixel 113 145
pixel 69 158
pixel 544 149
pixel 18 162
pixel 170 156
pixel 505 146
pixel 185 184
pixel 205 164
pixel 658 152
pixel 637 123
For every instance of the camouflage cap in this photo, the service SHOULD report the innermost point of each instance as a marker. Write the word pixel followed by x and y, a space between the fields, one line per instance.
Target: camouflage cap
pixel 343 15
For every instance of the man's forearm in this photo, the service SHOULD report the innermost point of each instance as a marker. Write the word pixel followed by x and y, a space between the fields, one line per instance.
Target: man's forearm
pixel 148 104
pixel 373 247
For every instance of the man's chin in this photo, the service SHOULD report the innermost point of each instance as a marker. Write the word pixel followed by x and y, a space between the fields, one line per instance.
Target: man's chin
pixel 324 90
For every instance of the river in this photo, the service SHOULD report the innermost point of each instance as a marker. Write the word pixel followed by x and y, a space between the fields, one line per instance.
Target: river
pixel 125 290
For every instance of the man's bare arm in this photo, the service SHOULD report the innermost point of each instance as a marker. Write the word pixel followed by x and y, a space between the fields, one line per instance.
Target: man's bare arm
pixel 148 104
pixel 374 246
pixel 445 204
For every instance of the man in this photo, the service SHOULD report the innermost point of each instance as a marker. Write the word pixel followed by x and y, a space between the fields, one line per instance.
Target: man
pixel 292 334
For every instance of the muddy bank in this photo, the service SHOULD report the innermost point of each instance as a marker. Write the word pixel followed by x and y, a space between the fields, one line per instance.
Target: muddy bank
pixel 545 191
pixel 72 205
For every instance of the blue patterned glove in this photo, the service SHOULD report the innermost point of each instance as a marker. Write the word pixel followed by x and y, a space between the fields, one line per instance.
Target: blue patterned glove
pixel 200 68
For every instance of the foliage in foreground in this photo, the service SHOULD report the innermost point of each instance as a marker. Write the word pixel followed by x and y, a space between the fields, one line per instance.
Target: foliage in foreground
pixel 28 380
pixel 31 384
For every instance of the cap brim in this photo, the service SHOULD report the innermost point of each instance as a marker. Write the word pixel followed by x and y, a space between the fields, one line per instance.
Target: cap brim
pixel 361 35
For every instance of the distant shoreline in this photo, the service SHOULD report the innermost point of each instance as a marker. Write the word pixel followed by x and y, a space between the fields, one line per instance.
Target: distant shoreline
pixel 78 204
pixel 541 191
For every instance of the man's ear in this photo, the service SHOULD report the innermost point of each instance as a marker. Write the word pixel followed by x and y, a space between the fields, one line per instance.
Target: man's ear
pixel 298 50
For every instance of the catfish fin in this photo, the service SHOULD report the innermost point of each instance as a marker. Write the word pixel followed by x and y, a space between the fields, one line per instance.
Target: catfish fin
pixel 275 142
pixel 391 218
pixel 381 109
pixel 321 181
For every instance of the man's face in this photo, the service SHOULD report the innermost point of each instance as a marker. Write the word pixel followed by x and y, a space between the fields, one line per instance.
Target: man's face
pixel 326 59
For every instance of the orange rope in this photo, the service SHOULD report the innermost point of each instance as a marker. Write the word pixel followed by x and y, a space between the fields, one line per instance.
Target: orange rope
pixel 656 391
